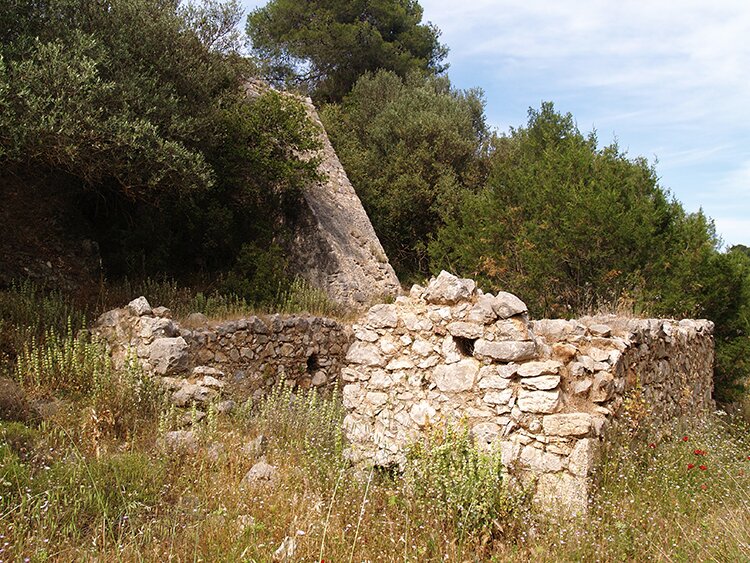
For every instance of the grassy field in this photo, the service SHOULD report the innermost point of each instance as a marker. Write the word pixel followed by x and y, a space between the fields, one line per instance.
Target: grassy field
pixel 96 480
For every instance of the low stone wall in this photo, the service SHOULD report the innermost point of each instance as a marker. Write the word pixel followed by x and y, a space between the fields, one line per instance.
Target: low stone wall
pixel 259 352
pixel 238 357
pixel 542 392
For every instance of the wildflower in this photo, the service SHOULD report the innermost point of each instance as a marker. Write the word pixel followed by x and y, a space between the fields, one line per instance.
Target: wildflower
pixel 703 467
pixel 684 438
pixel 691 465
pixel 699 452
pixel 652 445
pixel 704 486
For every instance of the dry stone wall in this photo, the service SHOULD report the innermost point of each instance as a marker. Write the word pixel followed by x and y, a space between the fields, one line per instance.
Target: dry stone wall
pixel 542 392
pixel 236 358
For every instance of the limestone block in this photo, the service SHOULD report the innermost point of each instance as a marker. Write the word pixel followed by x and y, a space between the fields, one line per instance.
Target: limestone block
pixel 562 492
pixel 486 432
pixel 482 312
pixel 168 355
pixel 598 354
pixel 507 305
pixel 496 376
pixel 422 413
pixel 352 396
pixel 456 377
pixel 448 289
pixel 538 401
pixel 399 364
pixel 154 327
pixel 365 335
pixel 580 386
pixel 380 380
pixel 571 424
pixel 388 345
pixel 534 369
pixel 450 351
pixel 536 459
pixel 514 328
pixel 422 347
pixel 582 458
pixel 601 330
pixel 541 382
pixel 505 351
pixel 139 307
pixel 365 353
pixel 603 387
pixel 498 397
pixel 382 316
pixel 463 329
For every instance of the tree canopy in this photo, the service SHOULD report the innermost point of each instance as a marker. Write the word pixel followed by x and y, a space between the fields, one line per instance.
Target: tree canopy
pixel 324 46
pixel 410 147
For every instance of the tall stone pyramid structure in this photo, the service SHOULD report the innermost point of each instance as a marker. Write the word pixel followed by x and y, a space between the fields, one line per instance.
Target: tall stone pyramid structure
pixel 334 246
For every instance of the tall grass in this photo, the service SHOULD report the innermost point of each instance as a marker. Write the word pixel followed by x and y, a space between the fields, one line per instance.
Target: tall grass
pixel 295 297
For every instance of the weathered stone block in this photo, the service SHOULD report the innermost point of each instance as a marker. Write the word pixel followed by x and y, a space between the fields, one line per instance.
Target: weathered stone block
pixel 505 351
pixel 460 376
pixel 538 401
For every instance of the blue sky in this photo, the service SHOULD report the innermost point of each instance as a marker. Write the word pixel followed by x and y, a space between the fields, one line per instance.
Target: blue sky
pixel 669 80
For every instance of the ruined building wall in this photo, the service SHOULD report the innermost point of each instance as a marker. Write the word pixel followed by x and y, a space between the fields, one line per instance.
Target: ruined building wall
pixel 237 358
pixel 542 392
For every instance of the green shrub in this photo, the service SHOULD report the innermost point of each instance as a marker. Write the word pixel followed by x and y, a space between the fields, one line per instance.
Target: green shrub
pixel 450 475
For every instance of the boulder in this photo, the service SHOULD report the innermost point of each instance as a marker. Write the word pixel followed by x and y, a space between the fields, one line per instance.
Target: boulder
pixel 139 307
pixel 507 305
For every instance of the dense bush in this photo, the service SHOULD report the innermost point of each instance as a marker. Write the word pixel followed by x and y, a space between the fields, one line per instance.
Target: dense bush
pixel 137 108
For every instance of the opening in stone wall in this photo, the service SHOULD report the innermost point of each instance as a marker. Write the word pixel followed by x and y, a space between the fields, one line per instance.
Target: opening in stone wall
pixel 312 363
pixel 465 345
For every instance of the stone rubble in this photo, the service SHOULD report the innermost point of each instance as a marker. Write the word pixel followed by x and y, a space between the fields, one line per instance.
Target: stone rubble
pixel 542 392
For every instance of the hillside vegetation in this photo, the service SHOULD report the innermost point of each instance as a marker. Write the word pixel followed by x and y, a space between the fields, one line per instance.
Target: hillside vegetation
pixel 126 123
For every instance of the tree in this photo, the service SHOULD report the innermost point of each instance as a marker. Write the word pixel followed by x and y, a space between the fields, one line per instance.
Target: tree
pixel 324 46
pixel 410 147
pixel 565 224
pixel 138 107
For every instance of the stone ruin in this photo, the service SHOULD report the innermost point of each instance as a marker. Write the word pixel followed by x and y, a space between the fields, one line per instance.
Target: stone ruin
pixel 334 246
pixel 205 362
pixel 543 392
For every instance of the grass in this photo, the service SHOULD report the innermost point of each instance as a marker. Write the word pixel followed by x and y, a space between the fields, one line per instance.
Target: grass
pixel 94 482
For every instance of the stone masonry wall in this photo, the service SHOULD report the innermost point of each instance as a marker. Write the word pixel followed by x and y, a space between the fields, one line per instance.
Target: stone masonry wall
pixel 237 358
pixel 542 392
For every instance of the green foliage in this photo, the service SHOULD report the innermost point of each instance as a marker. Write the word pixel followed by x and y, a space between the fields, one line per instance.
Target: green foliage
pixel 326 46
pixel 451 476
pixel 571 227
pixel 305 422
pixel 410 147
pixel 137 108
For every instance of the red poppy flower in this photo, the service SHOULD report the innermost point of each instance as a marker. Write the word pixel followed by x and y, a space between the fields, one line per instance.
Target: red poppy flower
pixel 652 445
pixel 699 452
pixel 684 438
pixel 702 467
pixel 704 487
pixel 691 465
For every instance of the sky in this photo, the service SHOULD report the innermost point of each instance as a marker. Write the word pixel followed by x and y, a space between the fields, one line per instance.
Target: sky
pixel 669 80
